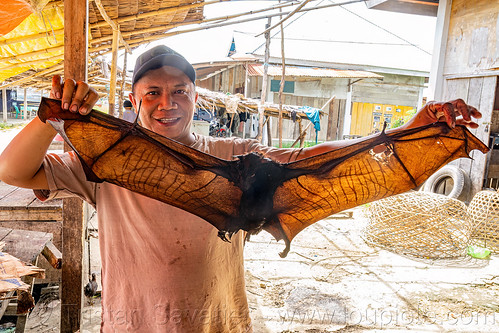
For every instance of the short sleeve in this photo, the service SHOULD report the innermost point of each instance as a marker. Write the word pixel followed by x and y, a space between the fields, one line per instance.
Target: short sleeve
pixel 66 178
pixel 282 155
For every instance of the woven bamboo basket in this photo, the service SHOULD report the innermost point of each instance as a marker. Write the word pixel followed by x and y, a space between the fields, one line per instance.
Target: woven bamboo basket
pixel 484 214
pixel 419 224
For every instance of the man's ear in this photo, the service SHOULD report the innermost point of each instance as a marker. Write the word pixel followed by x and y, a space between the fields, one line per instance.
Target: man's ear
pixel 131 97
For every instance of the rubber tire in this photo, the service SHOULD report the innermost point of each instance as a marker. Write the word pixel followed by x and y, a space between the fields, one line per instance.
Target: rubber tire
pixel 461 180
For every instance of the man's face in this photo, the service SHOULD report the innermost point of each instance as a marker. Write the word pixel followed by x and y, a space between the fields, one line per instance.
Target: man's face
pixel 168 100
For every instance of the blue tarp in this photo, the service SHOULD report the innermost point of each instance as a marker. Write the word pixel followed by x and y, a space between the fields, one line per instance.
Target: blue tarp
pixel 313 115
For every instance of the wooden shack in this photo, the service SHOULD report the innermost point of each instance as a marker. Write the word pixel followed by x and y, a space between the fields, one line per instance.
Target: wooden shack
pixel 466 65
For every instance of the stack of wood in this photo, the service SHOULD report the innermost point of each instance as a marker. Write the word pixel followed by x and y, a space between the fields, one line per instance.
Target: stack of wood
pixel 11 272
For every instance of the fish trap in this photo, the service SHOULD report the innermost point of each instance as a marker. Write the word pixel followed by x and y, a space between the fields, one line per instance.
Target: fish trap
pixel 484 214
pixel 419 224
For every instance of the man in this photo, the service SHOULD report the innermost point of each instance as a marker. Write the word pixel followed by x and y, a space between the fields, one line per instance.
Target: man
pixel 128 113
pixel 163 269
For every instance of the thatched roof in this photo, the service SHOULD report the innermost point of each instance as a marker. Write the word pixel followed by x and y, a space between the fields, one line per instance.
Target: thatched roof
pixel 33 51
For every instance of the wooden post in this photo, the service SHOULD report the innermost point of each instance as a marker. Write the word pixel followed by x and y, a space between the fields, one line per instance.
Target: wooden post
pixel 4 104
pixel 269 132
pixel 300 137
pixel 26 114
pixel 75 66
pixel 122 88
pixel 261 107
pixel 281 86
pixel 114 63
pixel 246 93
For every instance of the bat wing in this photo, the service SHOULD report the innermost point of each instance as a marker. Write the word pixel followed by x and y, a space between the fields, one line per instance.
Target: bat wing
pixel 251 192
pixel 142 161
pixel 376 168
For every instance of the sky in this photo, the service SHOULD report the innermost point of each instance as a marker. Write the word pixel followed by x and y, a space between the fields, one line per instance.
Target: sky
pixel 348 34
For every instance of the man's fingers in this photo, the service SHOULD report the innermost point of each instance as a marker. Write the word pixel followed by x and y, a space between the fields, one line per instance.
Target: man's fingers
pixel 80 94
pixel 67 93
pixel 56 91
pixel 88 104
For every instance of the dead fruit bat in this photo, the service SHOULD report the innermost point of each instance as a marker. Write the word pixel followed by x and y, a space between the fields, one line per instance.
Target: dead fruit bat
pixel 252 192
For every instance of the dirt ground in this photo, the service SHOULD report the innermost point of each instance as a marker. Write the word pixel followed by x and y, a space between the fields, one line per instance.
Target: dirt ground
pixel 331 281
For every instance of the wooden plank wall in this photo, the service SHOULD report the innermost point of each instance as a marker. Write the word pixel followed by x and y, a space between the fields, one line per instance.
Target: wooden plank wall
pixel 473 37
pixel 479 92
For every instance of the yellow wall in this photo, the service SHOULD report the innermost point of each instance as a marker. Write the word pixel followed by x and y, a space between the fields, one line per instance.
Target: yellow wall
pixel 366 117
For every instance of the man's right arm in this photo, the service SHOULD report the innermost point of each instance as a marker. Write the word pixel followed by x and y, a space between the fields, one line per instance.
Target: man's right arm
pixel 21 163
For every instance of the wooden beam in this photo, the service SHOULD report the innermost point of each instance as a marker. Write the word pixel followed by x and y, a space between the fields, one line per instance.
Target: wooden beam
pixel 75 66
pixel 4 104
pixel 53 255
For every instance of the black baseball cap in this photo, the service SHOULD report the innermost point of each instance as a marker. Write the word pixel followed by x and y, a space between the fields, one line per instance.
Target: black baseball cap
pixel 127 104
pixel 160 56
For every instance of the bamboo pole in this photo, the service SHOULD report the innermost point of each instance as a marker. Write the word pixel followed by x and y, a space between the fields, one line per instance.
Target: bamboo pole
pixel 264 84
pixel 256 18
pixel 284 19
pixel 179 24
pixel 301 137
pixel 114 65
pixel 25 108
pixel 122 86
pixel 246 92
pixel 4 104
pixel 113 25
pixel 230 125
pixel 138 17
pixel 281 87
pixel 269 132
pixel 159 12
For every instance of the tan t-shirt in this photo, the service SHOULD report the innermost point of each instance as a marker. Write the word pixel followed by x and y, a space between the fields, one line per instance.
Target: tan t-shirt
pixel 163 269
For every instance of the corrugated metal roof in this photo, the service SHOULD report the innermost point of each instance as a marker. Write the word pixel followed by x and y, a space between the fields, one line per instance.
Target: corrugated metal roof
pixel 257 70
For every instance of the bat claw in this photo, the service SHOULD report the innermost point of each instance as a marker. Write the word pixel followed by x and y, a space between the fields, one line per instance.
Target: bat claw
pixel 223 236
pixel 285 252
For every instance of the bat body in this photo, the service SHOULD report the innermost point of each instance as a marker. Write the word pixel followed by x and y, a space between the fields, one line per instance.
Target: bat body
pixel 252 192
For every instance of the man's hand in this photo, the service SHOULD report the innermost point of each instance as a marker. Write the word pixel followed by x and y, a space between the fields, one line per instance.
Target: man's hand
pixel 75 96
pixel 453 112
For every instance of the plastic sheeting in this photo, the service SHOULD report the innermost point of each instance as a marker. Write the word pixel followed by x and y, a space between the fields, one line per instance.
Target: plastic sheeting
pixel 12 12
pixel 20 53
